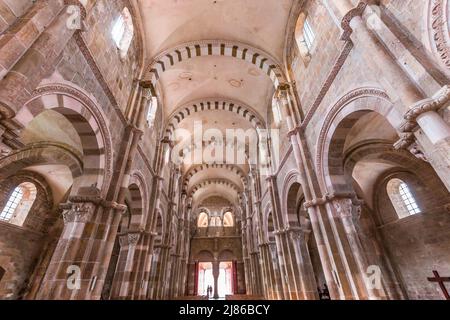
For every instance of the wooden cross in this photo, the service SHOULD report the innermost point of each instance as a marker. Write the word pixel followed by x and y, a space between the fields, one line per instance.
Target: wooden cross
pixel 441 280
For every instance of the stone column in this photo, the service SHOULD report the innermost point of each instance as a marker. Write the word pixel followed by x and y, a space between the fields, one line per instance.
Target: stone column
pixel 282 251
pixel 246 257
pixel 122 278
pixel 80 262
pixel 328 245
pixel 347 210
pixel 161 272
pixel 216 273
pixel 272 289
pixel 143 265
pixel 277 274
pixel 303 261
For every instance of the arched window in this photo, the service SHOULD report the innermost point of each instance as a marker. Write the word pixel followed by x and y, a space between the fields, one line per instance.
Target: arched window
pixel 19 204
pixel 167 156
pixel 228 220
pixel 151 115
pixel 123 32
pixel 305 37
pixel 402 199
pixel 202 220
pixel 308 35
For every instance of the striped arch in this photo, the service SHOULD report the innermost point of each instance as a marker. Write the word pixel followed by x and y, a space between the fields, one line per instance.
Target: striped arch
pixel 138 194
pixel 89 122
pixel 238 108
pixel 209 182
pixel 196 169
pixel 216 48
pixel 40 154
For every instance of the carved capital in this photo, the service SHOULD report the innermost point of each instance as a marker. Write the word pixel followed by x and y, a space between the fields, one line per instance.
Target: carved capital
pixel 440 100
pixel 347 208
pixel 78 212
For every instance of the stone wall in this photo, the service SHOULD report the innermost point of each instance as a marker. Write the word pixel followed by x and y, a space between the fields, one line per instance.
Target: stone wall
pixel 20 250
pixel 118 73
pixel 418 244
pixel 11 10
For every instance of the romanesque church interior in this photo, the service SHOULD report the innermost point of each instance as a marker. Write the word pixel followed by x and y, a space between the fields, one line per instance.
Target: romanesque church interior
pixel 224 149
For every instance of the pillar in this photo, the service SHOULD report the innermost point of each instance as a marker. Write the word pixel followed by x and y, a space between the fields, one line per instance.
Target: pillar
pixel 122 284
pixel 216 273
pixel 80 262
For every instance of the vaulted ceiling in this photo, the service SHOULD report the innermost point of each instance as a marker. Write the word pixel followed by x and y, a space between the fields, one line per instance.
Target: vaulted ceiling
pixel 225 52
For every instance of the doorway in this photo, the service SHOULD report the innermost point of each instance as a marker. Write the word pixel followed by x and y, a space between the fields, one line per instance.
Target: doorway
pixel 225 283
pixel 205 278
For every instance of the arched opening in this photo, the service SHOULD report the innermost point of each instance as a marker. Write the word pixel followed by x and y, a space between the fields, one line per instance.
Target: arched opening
pixel 205 279
pixel 362 161
pixel 270 228
pixel 30 226
pixel 203 220
pixel 203 275
pixel 19 204
pixel 304 37
pixel 123 256
pixel 294 198
pixel 313 250
pixel 402 199
pixel 74 124
pixel 228 220
pixel 123 32
pixel 136 204
pixel 298 220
